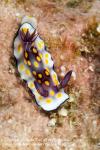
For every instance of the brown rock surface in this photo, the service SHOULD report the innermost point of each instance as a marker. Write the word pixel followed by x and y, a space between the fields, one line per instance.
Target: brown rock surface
pixel 69 30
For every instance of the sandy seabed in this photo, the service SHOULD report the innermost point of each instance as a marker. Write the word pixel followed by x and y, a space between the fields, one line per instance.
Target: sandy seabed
pixel 69 29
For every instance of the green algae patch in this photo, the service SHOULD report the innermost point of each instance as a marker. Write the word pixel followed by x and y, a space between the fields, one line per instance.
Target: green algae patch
pixel 73 3
pixel 90 40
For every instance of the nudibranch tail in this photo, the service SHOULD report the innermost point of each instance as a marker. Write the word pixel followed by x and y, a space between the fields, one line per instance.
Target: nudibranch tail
pixel 36 67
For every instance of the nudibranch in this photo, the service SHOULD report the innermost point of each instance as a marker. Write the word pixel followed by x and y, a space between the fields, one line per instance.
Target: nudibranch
pixel 36 67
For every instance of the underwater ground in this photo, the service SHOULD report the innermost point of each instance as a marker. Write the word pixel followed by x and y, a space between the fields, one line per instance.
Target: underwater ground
pixel 71 31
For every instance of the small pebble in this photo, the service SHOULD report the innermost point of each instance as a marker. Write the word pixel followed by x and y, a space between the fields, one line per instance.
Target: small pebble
pixel 63 112
pixel 52 122
pixel 98 28
pixel 63 71
pixel 63 68
pixel 91 68
pixel 74 75
pixel 81 59
pixel 61 57
pixel 11 70
pixel 17 14
pixel 71 98
pixel 86 50
pixel 62 74
pixel 10 121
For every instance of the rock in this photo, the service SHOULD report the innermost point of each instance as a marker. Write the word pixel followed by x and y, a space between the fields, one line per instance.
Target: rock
pixel 98 28
pixel 71 98
pixel 22 124
pixel 52 122
pixel 74 75
pixel 63 112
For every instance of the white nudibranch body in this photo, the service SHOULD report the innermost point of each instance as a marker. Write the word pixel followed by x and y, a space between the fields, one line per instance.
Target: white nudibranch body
pixel 36 66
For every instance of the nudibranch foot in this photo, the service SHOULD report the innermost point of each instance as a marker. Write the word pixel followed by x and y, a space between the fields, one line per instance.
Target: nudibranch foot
pixel 36 67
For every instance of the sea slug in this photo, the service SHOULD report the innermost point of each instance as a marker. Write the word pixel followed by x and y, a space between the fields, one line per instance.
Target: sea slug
pixel 36 67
